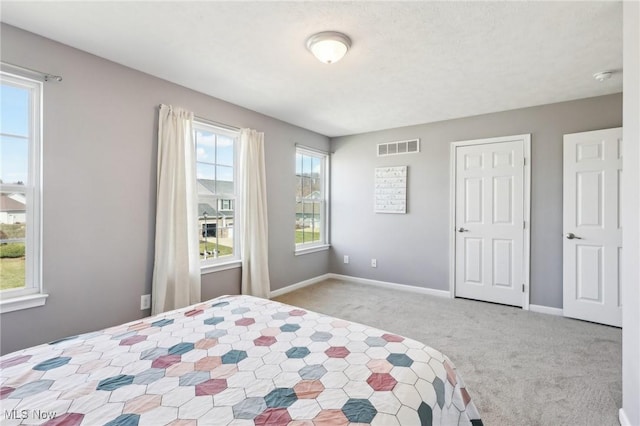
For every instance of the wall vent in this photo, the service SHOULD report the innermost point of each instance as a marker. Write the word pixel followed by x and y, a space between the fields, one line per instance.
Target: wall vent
pixel 399 147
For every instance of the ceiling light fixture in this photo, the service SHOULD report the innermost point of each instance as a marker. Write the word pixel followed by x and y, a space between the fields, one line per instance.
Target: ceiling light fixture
pixel 603 75
pixel 328 46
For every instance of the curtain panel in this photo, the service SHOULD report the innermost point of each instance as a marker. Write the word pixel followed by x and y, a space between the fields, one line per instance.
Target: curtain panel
pixel 253 212
pixel 176 272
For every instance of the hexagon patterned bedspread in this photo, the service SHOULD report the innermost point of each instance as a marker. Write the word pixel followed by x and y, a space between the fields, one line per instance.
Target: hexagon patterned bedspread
pixel 234 360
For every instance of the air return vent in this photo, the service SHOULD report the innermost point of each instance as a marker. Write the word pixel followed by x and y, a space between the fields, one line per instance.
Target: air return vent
pixel 399 147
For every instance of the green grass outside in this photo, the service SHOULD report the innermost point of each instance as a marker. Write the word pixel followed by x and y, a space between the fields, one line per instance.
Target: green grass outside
pixel 307 235
pixel 13 230
pixel 11 273
pixel 222 250
pixel 13 250
pixel 12 261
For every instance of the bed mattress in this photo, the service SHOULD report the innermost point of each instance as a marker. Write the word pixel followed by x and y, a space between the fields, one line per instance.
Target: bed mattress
pixel 235 360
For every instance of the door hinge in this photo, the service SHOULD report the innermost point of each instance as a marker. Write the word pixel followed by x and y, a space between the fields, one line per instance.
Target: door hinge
pixel 523 288
pixel 524 224
pixel 524 161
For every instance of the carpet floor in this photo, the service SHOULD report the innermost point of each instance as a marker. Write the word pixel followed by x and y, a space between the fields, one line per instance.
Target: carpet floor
pixel 520 367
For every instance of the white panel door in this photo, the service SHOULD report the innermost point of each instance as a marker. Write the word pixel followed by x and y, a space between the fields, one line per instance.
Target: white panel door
pixel 489 221
pixel 591 221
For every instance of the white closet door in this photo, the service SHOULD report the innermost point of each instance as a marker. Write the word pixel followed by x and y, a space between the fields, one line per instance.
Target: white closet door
pixel 592 233
pixel 489 220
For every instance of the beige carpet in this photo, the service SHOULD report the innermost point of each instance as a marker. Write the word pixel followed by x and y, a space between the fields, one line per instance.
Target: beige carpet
pixel 521 368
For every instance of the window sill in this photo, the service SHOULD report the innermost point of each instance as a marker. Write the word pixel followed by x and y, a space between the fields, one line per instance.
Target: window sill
pixel 23 302
pixel 208 269
pixel 312 249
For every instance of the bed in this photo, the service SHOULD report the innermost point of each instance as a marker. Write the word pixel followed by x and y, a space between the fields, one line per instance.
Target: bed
pixel 236 360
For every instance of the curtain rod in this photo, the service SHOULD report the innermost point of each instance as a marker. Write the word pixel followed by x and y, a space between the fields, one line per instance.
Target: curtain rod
pixel 45 75
pixel 216 124
pixel 310 148
pixel 211 122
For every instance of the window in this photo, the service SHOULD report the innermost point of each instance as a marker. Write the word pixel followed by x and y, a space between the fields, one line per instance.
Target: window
pixel 216 175
pixel 20 139
pixel 312 170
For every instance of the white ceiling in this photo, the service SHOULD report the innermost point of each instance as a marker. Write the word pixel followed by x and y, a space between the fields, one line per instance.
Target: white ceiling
pixel 410 63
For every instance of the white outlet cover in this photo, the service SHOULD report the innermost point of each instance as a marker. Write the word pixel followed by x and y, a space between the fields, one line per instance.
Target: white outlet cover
pixel 145 301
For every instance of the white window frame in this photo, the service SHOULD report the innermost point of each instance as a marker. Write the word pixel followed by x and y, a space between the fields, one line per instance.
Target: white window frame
pixel 234 261
pixel 32 295
pixel 325 161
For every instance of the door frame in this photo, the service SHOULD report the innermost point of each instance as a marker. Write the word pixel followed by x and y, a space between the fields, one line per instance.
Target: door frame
pixel 526 141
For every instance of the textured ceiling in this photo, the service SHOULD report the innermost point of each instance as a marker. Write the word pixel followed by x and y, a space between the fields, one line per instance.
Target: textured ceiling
pixel 410 63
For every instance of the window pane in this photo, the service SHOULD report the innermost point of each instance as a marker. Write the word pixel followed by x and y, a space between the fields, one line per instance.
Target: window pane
pixel 205 171
pixel 208 230
pixel 205 146
pixel 298 187
pixel 306 165
pixel 298 164
pixel 306 187
pixel 14 160
pixel 205 153
pixel 225 233
pixel 307 209
pixel 299 223
pixel 315 228
pixel 224 176
pixel 206 196
pixel 315 188
pixel 12 240
pixel 225 151
pixel 315 166
pixel 14 110
pixel 208 239
pixel 309 188
pixel 307 223
pixel 216 235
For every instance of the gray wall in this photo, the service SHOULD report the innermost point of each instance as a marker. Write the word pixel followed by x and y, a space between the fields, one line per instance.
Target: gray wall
pixel 413 249
pixel 630 414
pixel 99 169
pixel 100 135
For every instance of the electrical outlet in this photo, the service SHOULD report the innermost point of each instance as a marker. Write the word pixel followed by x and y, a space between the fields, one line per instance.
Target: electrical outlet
pixel 346 259
pixel 145 302
pixel 374 263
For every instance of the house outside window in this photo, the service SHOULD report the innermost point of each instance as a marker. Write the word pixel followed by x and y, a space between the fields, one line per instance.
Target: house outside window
pixel 216 172
pixel 312 195
pixel 20 192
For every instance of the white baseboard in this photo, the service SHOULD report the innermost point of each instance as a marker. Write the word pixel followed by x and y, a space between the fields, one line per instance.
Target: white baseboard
pixel 623 419
pixel 393 286
pixel 296 286
pixel 385 284
pixel 546 310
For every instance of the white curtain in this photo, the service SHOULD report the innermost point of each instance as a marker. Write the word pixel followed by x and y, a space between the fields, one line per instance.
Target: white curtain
pixel 176 271
pixel 253 212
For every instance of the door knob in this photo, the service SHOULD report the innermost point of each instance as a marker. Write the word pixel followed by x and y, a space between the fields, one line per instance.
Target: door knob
pixel 461 229
pixel 571 236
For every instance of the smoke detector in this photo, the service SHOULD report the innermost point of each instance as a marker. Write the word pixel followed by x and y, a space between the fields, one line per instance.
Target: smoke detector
pixel 603 75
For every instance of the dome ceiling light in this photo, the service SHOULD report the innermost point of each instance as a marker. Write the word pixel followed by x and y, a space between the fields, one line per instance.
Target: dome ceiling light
pixel 328 46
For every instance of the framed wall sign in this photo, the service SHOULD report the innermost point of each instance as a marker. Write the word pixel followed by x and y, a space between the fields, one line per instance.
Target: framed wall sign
pixel 391 189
